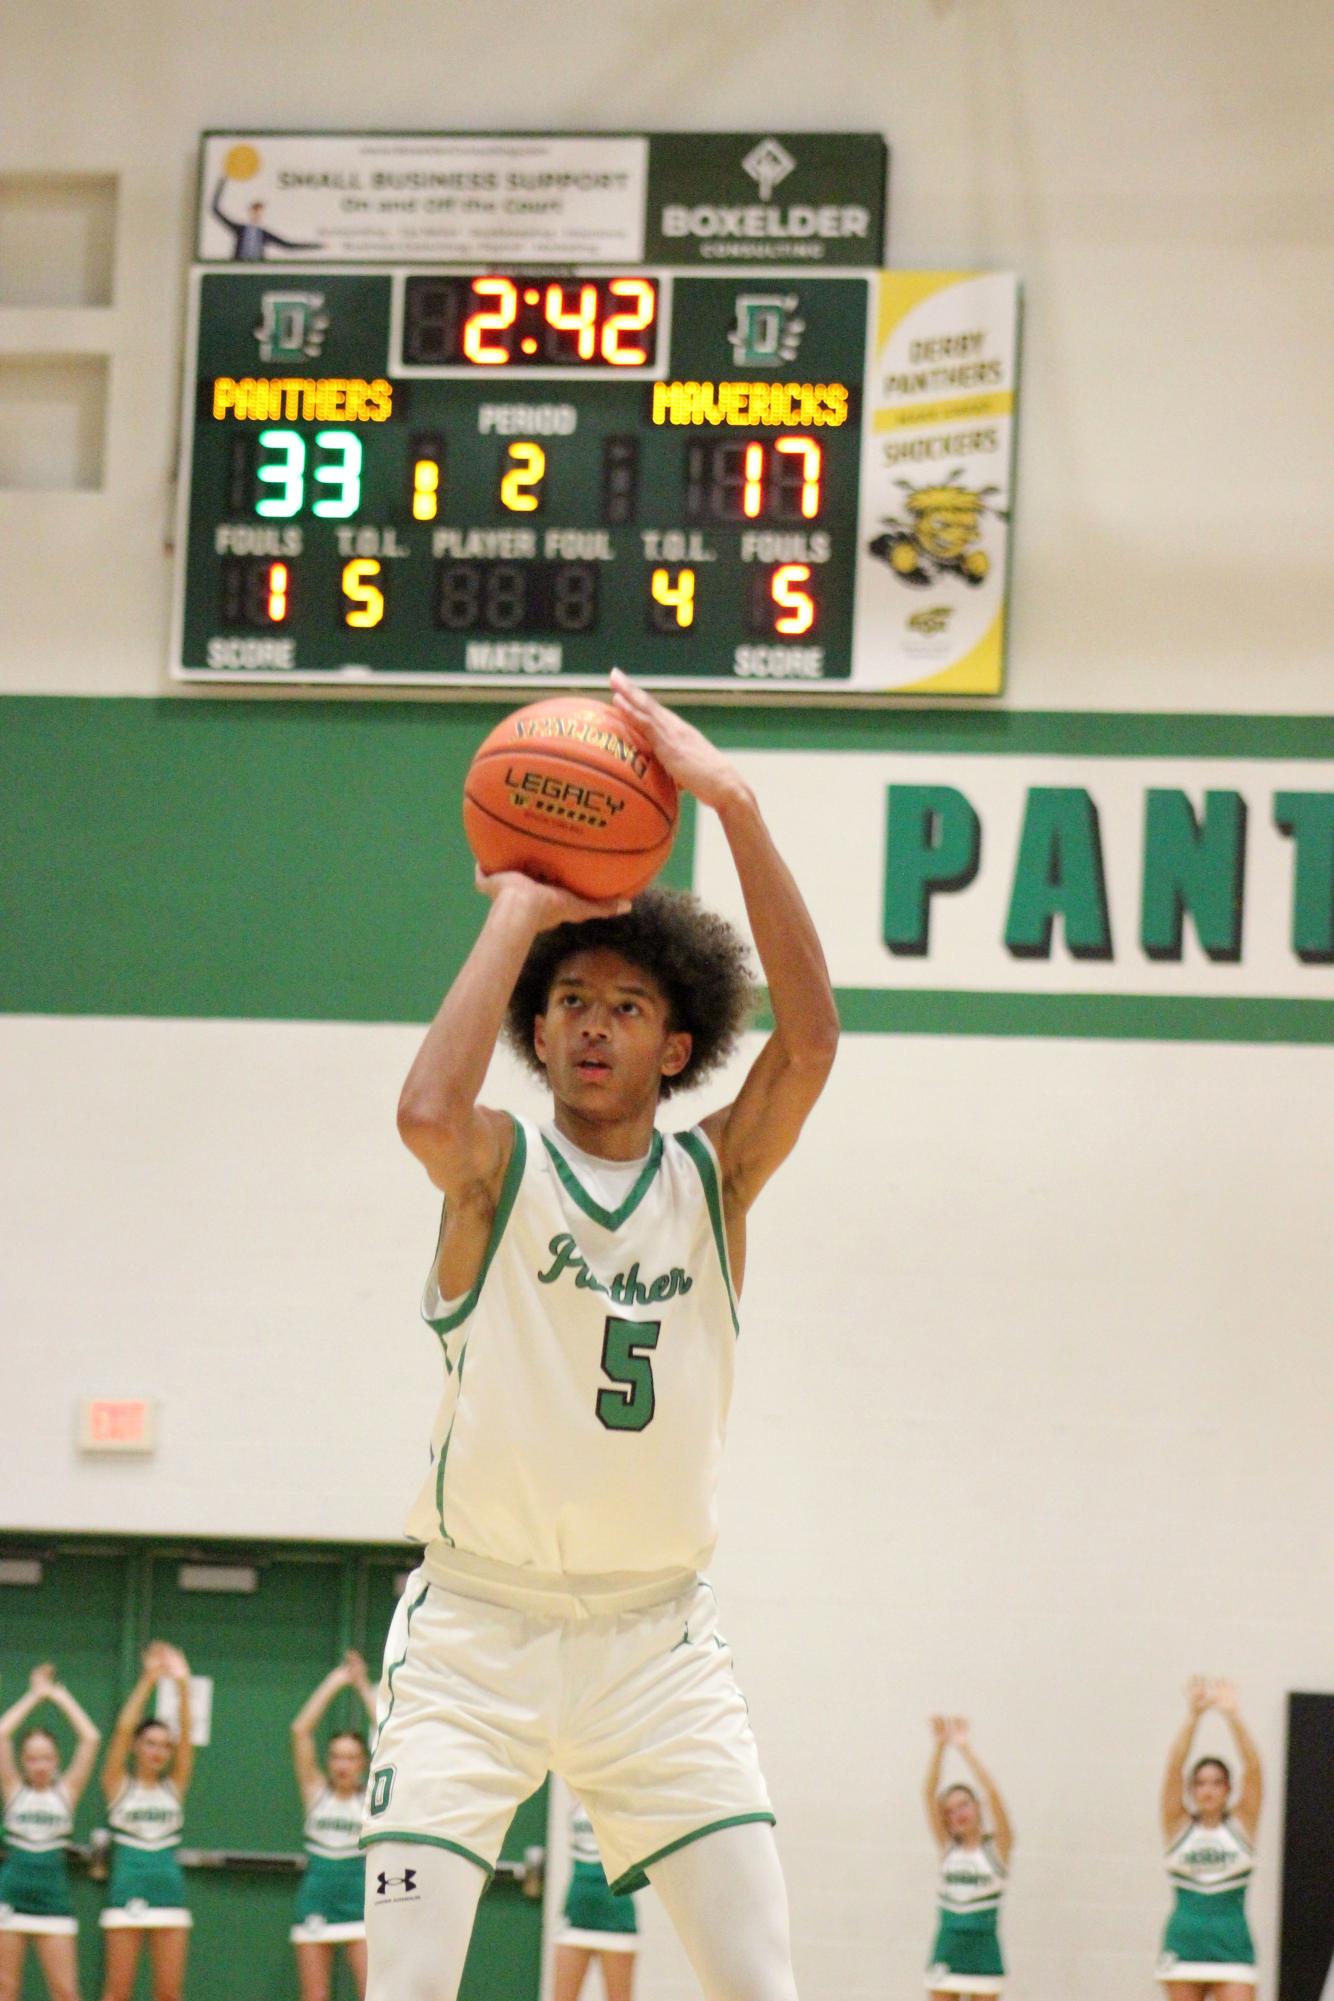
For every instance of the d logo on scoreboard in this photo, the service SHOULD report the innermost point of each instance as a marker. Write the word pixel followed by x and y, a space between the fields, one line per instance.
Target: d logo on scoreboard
pixel 292 326
pixel 767 331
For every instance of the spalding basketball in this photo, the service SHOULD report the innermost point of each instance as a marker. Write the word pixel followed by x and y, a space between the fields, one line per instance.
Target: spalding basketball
pixel 566 791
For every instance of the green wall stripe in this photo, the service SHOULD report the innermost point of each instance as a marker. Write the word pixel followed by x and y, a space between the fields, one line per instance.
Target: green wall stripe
pixel 298 860
pixel 1100 1017
pixel 1030 732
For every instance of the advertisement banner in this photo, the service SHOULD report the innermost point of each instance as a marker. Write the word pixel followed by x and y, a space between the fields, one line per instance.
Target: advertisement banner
pixel 797 198
pixel 937 483
pixel 675 198
pixel 330 198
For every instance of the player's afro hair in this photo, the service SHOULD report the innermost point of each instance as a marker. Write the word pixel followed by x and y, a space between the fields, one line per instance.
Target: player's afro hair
pixel 693 954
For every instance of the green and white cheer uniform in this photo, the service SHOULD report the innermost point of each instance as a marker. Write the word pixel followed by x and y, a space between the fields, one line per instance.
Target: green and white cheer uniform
pixel 1207 1936
pixel 594 1915
pixel 558 1620
pixel 147 1888
pixel 966 1957
pixel 331 1902
pixel 34 1881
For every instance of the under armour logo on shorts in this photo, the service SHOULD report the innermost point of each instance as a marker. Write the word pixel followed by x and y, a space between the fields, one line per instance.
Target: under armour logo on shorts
pixel 407 1881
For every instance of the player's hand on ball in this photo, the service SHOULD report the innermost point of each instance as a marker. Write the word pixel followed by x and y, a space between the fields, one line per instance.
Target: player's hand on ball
pixel 547 905
pixel 682 750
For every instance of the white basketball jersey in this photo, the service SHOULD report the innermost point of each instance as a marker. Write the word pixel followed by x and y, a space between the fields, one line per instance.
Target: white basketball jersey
pixel 971 1879
pixel 588 1372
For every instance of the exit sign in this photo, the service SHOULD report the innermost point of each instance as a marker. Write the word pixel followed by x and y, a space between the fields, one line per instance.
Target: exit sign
pixel 117 1424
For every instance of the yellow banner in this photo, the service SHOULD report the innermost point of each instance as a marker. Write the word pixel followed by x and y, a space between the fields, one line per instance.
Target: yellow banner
pixel 937 484
pixel 946 410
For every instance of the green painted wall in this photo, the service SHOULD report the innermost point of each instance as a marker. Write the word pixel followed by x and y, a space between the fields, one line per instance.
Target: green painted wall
pixel 293 861
pixel 305 860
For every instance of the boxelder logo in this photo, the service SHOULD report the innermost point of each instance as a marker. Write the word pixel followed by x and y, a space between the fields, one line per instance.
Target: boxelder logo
pixel 750 225
pixel 768 163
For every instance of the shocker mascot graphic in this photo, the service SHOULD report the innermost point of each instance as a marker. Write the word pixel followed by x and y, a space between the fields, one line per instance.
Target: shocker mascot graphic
pixel 938 532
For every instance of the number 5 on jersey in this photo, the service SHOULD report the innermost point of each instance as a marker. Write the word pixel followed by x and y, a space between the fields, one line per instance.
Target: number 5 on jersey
pixel 626 1347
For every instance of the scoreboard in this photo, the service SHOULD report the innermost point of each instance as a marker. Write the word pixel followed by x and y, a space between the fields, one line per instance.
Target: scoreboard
pixel 507 475
pixel 523 474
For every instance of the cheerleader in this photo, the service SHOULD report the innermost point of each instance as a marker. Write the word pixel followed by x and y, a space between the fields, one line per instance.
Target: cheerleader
pixel 330 1905
pixel 1208 1953
pixel 39 1802
pixel 597 1925
pixel 145 1778
pixel 974 1867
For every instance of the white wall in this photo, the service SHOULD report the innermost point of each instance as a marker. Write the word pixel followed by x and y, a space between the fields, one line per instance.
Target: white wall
pixel 1032 1421
pixel 1153 173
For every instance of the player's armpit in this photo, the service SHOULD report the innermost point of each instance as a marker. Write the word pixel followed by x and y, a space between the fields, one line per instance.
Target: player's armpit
pixel 468 1214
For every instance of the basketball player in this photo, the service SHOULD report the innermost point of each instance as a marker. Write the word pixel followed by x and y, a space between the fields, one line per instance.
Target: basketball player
pixel 330 1902
pixel 145 1779
pixel 595 1924
pixel 584 1294
pixel 974 1867
pixel 1208 1953
pixel 39 1804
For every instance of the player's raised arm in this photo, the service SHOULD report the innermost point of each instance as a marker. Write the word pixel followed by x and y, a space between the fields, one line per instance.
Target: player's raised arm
pixel 459 1142
pixel 755 1134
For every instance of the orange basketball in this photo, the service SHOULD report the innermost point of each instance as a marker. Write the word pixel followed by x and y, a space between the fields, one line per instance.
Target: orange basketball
pixel 567 792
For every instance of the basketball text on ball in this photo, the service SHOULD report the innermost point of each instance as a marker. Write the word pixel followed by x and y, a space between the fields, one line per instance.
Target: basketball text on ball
pixel 562 795
pixel 586 730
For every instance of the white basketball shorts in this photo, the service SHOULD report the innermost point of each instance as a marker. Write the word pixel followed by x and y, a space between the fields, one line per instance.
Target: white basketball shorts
pixel 639 1711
